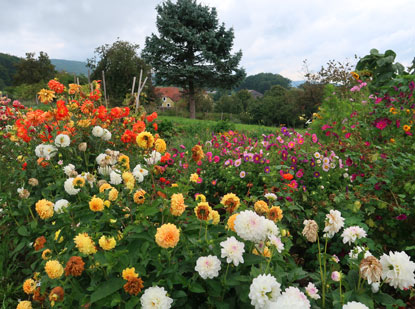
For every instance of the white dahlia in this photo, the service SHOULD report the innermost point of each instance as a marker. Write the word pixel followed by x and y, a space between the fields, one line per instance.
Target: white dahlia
pixel 60 205
pixel 250 226
pixel 62 140
pixel 334 222
pixel 69 188
pixel 208 266
pixel 292 297
pixel 398 270
pixel 115 178
pixel 264 289
pixel 97 131
pixel 155 298
pixel 69 170
pixel 352 233
pixel 153 158
pixel 354 305
pixel 107 135
pixel 232 250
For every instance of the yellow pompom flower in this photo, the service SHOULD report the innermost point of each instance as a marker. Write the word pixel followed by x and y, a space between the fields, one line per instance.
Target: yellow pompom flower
pixel 203 211
pixel 96 204
pixel 231 222
pixel 129 273
pixel 177 206
pixel 107 203
pixel 261 207
pixel 214 216
pixel 167 236
pixel 124 160
pixel 139 196
pixel 107 243
pixel 231 202
pixel 54 269
pixel 406 128
pixel 85 244
pixel 25 304
pixel 78 182
pixel 200 197
pixel 113 194
pixel 44 208
pixel 29 286
pixel 275 214
pixel 145 140
pixel 160 145
pixel 46 96
pixel 104 187
pixel 129 180
pixel 194 177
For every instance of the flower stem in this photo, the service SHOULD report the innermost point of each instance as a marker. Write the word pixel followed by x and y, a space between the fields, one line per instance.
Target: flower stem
pixel 323 284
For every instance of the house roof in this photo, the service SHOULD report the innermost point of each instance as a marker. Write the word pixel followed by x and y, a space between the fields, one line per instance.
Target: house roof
pixel 173 93
pixel 255 93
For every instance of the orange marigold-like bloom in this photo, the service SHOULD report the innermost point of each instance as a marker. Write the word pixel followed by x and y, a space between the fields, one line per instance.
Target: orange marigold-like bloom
pixel 87 107
pixel 355 75
pixel 54 269
pixel 145 140
pixel 275 213
pixel 37 296
pixel 44 208
pixel 56 86
pixel 406 128
pixel 104 187
pixel 74 266
pixel 231 202
pixel 139 127
pixel 197 153
pixel 129 273
pixel 177 206
pixel 203 211
pixel 74 88
pixel 261 207
pixel 96 204
pixel 29 286
pixel 39 243
pixel 107 243
pixel 134 286
pixel 265 252
pixel 56 294
pixel 139 196
pixel 287 176
pixel 231 222
pixel 78 182
pixel 167 236
pixel 113 194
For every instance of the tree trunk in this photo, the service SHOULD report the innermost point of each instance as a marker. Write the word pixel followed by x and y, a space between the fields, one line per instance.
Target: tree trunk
pixel 192 105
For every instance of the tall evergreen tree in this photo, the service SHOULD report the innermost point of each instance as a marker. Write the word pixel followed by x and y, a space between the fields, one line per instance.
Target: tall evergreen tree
pixel 192 50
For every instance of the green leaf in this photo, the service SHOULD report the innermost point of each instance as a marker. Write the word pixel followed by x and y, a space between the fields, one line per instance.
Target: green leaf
pixel 23 231
pixel 107 288
pixel 196 288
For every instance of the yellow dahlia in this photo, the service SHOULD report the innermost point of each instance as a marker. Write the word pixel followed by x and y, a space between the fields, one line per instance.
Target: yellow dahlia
pixel 145 140
pixel 29 286
pixel 231 222
pixel 194 177
pixel 214 216
pixel 85 244
pixel 46 254
pixel 113 194
pixel 200 197
pixel 54 269
pixel 231 202
pixel 177 206
pixel 96 204
pixel 104 187
pixel 167 236
pixel 44 208
pixel 160 145
pixel 25 304
pixel 107 243
pixel 78 182
pixel 261 207
pixel 46 96
pixel 275 214
pixel 129 273
pixel 139 196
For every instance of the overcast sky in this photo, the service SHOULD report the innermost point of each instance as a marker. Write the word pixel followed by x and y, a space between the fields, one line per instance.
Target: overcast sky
pixel 274 35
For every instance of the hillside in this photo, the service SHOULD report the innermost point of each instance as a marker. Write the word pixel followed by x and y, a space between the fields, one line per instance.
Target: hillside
pixel 70 66
pixel 7 69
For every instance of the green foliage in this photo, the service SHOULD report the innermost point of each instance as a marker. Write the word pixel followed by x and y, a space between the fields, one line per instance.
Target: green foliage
pixel 264 81
pixel 381 67
pixel 31 70
pixel 223 126
pixel 192 50
pixel 7 69
pixel 121 63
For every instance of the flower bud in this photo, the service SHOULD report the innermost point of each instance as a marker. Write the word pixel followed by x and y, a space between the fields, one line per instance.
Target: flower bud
pixel 82 146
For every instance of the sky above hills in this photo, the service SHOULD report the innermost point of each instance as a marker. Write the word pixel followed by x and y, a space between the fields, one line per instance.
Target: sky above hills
pixel 274 35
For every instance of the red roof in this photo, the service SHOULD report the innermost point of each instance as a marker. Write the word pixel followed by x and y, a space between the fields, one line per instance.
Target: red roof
pixel 170 92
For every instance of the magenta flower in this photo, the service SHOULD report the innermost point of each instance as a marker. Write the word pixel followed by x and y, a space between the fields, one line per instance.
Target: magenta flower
pixel 401 217
pixel 216 159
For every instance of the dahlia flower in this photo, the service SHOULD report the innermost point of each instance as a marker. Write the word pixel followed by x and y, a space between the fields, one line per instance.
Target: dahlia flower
pixel 398 270
pixel 292 297
pixel 208 266
pixel 62 140
pixel 155 297
pixel 69 187
pixel 352 233
pixel 232 250
pixel 264 289
pixel 250 226
pixel 334 222
pixel 354 305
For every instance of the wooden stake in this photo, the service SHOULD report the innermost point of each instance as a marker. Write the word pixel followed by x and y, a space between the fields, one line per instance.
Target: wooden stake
pixel 132 88
pixel 105 89
pixel 77 80
pixel 89 79
pixel 140 88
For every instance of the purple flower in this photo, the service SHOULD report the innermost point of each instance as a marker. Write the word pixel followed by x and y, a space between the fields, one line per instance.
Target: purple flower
pixel 284 155
pixel 257 158
pixel 242 174
pixel 267 169
pixel 316 174
pixel 294 159
pixel 401 217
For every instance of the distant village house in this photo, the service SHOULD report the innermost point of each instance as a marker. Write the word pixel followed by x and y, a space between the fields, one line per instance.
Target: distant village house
pixel 169 96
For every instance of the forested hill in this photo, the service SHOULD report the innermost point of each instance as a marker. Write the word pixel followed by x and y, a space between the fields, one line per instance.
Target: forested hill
pixel 70 66
pixel 7 69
